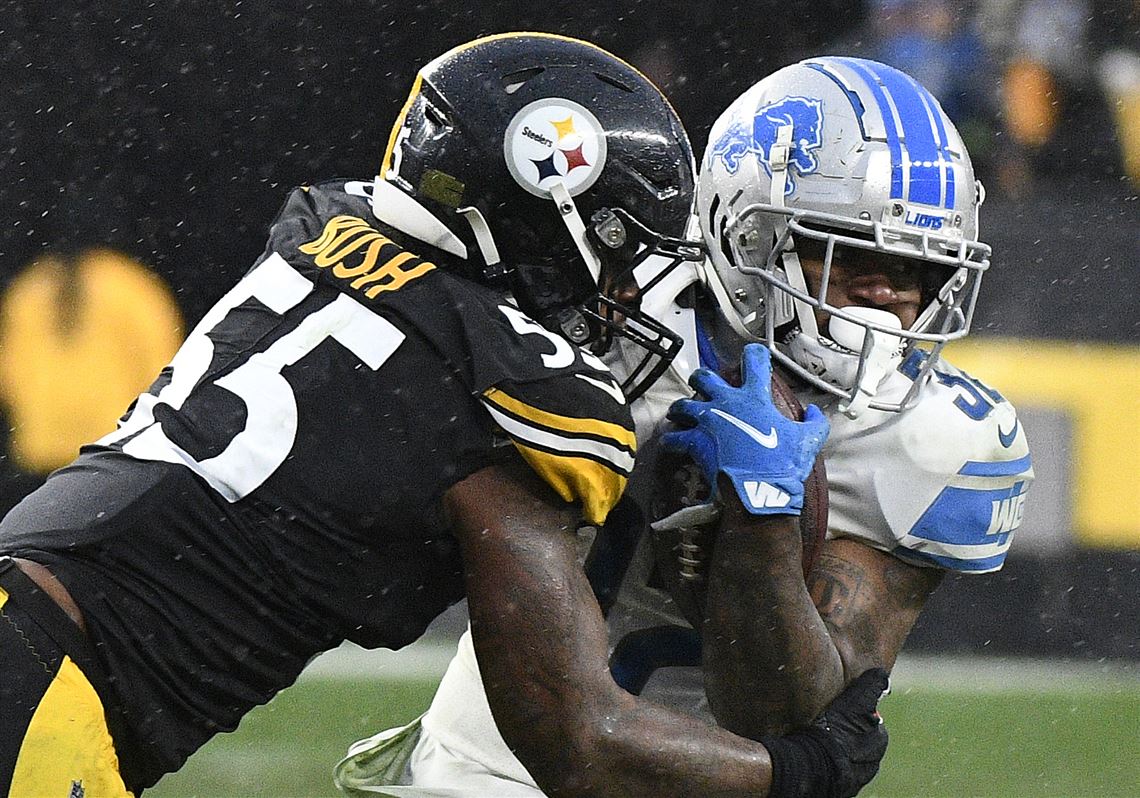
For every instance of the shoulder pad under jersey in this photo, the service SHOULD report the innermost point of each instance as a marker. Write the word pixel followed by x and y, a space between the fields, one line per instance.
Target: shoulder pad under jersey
pixel 328 232
pixel 560 407
pixel 941 484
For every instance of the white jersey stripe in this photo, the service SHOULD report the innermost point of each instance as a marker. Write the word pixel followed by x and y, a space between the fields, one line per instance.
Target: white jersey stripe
pixel 976 551
pixel 620 459
pixel 987 483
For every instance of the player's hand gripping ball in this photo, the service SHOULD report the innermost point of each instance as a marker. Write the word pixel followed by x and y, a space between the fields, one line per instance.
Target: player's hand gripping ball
pixel 739 432
pixel 682 550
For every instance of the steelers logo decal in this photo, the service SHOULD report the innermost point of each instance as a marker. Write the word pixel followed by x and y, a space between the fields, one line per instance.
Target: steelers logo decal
pixel 554 141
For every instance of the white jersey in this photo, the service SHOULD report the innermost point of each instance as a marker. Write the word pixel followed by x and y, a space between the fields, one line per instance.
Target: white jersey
pixel 941 484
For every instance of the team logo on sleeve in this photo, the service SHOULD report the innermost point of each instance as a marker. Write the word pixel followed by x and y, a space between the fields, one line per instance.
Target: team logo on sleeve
pixel 554 141
pixel 757 135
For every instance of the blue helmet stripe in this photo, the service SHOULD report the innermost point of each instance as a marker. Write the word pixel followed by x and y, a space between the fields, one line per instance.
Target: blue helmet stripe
pixel 855 99
pixel 926 178
pixel 860 65
pixel 923 153
pixel 929 174
pixel 943 160
pixel 943 140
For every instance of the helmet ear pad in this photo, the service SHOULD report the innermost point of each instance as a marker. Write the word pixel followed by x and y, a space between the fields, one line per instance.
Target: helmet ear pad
pixel 537 235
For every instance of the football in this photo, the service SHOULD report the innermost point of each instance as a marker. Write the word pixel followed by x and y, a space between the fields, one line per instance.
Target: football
pixel 681 556
pixel 813 519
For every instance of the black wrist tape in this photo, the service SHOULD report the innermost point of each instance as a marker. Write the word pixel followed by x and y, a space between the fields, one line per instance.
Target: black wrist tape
pixel 801 766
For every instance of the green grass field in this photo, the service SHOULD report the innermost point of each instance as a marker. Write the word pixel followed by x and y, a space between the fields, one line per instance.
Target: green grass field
pixel 1037 733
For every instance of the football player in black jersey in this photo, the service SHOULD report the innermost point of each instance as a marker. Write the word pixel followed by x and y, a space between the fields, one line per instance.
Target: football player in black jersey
pixel 400 404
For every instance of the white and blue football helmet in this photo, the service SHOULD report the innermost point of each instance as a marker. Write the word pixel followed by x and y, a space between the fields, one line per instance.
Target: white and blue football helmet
pixel 849 153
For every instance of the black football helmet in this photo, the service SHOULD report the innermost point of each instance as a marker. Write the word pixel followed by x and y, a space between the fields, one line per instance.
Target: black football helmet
pixel 556 171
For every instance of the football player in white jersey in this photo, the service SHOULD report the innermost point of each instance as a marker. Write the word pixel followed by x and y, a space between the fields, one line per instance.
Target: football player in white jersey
pixel 841 213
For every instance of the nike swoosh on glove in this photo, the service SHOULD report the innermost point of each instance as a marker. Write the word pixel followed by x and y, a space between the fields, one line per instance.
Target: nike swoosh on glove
pixel 740 433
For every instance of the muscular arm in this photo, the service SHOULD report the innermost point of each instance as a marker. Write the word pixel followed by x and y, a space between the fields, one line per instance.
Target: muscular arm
pixel 777 649
pixel 869 601
pixel 541 643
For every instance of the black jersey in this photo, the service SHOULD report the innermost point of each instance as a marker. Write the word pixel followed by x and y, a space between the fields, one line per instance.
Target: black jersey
pixel 277 489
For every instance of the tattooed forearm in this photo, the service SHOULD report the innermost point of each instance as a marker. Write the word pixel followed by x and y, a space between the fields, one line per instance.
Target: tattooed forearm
pixel 769 660
pixel 778 649
pixel 869 601
pixel 834 586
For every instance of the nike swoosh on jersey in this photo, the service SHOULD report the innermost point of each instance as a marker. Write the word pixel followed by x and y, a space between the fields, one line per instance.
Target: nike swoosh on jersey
pixel 769 439
pixel 1007 439
pixel 610 387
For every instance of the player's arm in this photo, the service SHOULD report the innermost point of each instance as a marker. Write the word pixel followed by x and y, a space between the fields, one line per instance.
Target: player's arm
pixel 775 653
pixel 541 643
pixel 869 601
pixel 768 655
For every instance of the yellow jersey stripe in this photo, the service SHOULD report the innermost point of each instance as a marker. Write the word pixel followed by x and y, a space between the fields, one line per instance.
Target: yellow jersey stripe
pixel 616 434
pixel 595 485
pixel 615 459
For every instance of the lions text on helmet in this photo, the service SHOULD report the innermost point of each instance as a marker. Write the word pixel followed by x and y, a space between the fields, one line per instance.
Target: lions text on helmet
pixel 554 188
pixel 841 211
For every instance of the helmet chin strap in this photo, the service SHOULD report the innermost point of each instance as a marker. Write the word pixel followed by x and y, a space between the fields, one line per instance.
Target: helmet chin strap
pixel 805 314
pixel 483 238
pixel 573 221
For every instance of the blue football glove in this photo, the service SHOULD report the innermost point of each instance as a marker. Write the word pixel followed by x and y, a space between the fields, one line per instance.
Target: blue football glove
pixel 739 432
